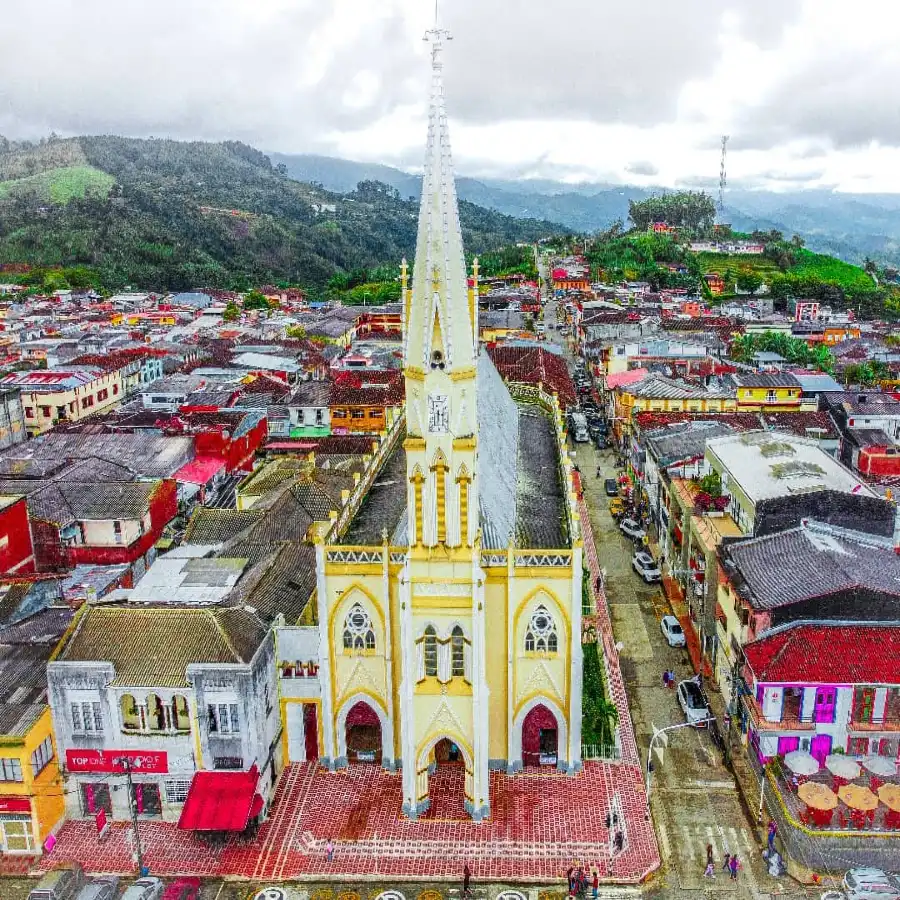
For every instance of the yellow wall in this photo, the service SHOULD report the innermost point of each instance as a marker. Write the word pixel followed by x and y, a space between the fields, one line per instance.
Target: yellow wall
pixel 45 790
pixel 38 423
pixel 752 399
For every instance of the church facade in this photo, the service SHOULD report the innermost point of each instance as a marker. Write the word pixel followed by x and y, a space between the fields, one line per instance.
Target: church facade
pixel 449 598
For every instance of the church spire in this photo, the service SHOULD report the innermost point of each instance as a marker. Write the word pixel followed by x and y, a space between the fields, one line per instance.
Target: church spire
pixel 441 328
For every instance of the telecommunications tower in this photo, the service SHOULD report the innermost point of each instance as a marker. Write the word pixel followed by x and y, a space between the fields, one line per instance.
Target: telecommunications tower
pixel 723 178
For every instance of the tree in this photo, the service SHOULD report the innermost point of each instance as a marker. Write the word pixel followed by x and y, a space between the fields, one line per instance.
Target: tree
pixel 694 210
pixel 797 242
pixel 232 312
pixel 297 332
pixel 256 300
pixel 748 280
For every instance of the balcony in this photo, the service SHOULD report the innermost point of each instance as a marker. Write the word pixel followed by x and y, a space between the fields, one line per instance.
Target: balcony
pixel 790 716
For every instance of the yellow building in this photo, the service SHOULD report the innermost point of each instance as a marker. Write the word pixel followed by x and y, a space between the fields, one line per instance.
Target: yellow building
pixel 448 594
pixel 32 802
pixel 767 392
pixel 50 396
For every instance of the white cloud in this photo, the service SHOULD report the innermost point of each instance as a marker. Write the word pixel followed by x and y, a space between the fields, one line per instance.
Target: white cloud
pixel 636 92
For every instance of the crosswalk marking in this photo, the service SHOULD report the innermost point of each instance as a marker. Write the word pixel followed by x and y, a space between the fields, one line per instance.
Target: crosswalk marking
pixel 690 841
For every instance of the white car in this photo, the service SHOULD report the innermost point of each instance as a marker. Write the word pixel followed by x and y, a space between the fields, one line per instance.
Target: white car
pixel 645 565
pixel 632 529
pixel 867 883
pixel 144 889
pixel 692 702
pixel 672 631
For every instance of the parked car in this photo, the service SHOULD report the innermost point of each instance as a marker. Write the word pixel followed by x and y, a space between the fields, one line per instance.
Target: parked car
pixel 183 889
pixel 616 507
pixel 611 486
pixel 632 528
pixel 602 442
pixel 144 889
pixel 104 887
pixel 645 565
pixel 868 883
pixel 692 702
pixel 59 884
pixel 672 631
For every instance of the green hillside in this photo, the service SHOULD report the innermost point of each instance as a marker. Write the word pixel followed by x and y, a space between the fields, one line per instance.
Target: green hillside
pixel 174 215
pixel 61 185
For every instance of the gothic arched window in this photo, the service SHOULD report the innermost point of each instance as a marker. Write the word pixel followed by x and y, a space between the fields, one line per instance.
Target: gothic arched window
pixel 541 634
pixel 431 654
pixel 358 631
pixel 457 652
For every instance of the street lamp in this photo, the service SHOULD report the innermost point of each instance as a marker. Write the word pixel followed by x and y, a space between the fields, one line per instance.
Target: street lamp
pixel 657 732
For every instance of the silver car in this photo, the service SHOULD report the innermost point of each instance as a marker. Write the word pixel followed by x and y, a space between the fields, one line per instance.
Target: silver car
pixel 104 887
pixel 144 889
pixel 693 703
pixel 867 883
pixel 645 565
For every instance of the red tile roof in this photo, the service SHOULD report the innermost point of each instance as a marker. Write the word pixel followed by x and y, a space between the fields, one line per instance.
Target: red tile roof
pixel 535 365
pixel 827 654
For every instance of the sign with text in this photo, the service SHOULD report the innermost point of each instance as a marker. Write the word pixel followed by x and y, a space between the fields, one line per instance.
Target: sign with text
pixel 143 761
pixel 15 805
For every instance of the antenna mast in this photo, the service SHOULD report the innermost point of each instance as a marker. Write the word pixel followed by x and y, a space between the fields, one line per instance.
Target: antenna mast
pixel 723 178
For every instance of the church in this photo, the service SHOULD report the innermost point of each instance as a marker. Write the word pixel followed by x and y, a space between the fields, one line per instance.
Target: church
pixel 449 598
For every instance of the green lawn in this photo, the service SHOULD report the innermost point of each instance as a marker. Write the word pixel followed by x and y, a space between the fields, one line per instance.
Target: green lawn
pixel 756 262
pixel 830 269
pixel 62 185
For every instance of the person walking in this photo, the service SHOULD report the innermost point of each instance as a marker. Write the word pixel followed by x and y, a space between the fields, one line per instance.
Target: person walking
pixel 710 871
pixel 467 879
pixel 773 830
pixel 329 850
pixel 733 867
pixel 726 865
pixel 595 883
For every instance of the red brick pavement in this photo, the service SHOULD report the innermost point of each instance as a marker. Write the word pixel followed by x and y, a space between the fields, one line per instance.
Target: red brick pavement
pixel 539 825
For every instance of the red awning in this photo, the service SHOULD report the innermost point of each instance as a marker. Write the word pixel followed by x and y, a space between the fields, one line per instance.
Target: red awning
pixel 221 801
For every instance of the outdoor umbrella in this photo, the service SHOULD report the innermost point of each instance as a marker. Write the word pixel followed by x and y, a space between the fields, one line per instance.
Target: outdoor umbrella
pixel 880 765
pixel 842 766
pixel 817 796
pixel 858 797
pixel 889 795
pixel 801 763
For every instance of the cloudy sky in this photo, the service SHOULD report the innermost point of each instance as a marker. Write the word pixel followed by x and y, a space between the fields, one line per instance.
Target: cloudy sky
pixel 638 91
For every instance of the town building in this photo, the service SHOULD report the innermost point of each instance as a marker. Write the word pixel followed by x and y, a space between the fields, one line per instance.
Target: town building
pixel 180 698
pixel 51 396
pixel 772 391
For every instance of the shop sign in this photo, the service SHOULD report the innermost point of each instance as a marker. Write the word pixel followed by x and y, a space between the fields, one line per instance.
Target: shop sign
pixel 112 761
pixel 15 805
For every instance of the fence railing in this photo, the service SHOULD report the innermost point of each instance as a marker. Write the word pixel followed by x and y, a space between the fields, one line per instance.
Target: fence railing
pixel 601 752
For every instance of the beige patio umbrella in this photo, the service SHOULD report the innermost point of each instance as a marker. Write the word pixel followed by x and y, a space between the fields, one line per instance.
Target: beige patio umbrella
pixel 801 763
pixel 858 797
pixel 882 766
pixel 842 766
pixel 889 795
pixel 817 796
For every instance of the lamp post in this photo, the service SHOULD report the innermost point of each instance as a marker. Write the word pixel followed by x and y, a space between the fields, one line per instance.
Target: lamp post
pixel 657 732
pixel 125 762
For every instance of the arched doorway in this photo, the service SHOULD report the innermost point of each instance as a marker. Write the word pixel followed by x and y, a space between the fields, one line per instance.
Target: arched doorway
pixel 540 738
pixel 363 734
pixel 444 780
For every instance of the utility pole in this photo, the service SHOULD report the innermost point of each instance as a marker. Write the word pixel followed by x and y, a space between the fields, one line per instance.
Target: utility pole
pixel 126 763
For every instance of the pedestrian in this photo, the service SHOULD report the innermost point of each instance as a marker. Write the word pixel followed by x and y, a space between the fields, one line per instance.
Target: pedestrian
pixel 671 678
pixel 570 875
pixel 726 865
pixel 329 850
pixel 595 883
pixel 710 871
pixel 619 841
pixel 734 865
pixel 666 678
pixel 599 471
pixel 467 878
pixel 599 584
pixel 773 830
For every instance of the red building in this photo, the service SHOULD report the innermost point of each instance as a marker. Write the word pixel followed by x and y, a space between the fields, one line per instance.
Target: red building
pixel 16 548
pixel 873 454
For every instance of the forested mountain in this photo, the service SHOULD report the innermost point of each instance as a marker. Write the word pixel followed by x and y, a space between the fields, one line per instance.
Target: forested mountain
pixel 166 214
pixel 850 226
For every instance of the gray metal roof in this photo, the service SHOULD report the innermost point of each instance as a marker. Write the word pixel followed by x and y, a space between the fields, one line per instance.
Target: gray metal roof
pixel 806 562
